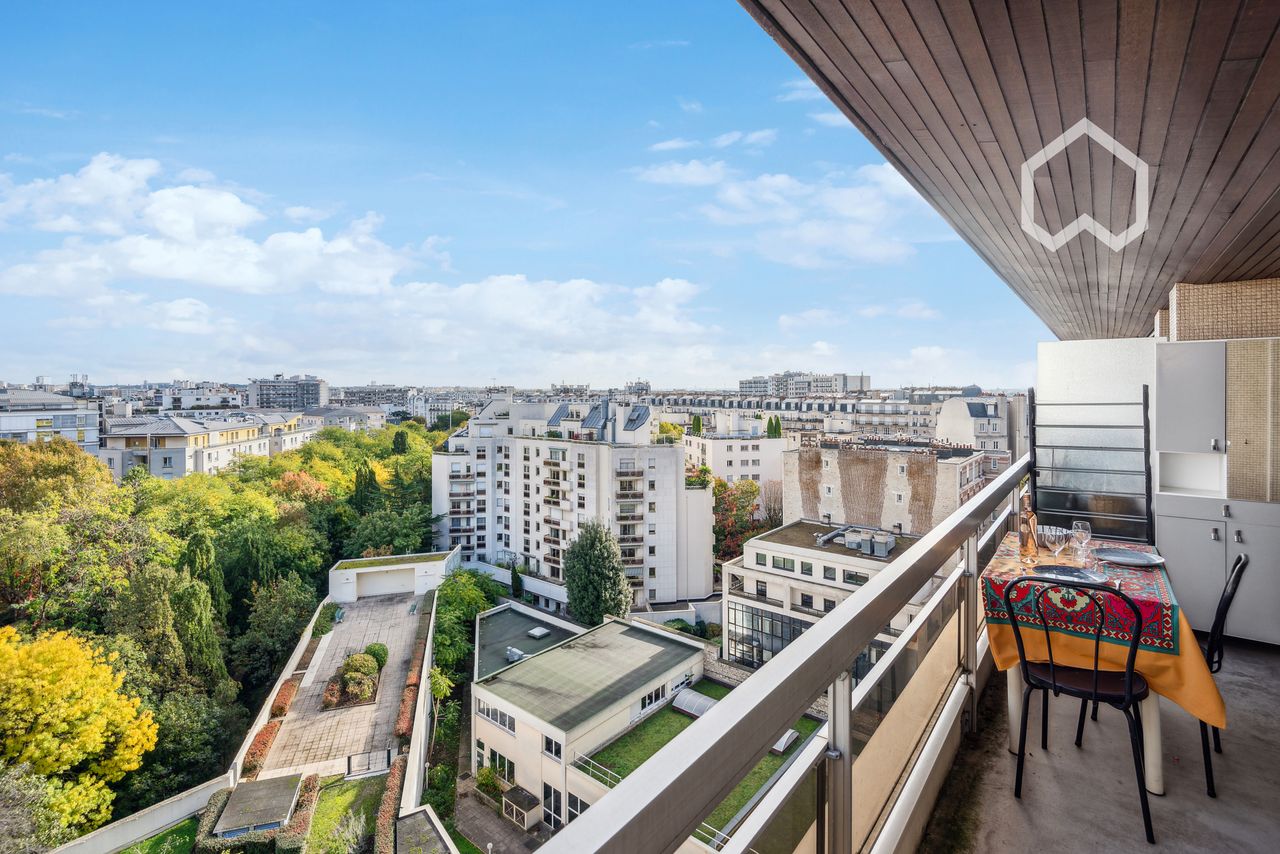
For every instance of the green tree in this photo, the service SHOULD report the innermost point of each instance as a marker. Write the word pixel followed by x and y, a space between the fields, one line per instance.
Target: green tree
pixel 451 646
pixel 517 582
pixel 594 578
pixel 367 494
pixel 389 531
pixel 28 822
pixel 198 558
pixel 144 612
pixel 400 444
pixel 278 613
pixel 441 686
pixel 696 427
pixel 733 516
pixel 196 627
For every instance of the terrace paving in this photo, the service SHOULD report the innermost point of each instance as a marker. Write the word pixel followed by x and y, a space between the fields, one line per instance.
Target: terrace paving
pixel 315 740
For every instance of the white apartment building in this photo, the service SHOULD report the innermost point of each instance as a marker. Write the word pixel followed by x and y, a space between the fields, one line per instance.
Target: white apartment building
pixel 186 395
pixel 801 383
pixel 547 694
pixel 389 398
pixel 361 418
pixel 736 456
pixel 520 479
pixel 29 416
pixel 171 446
pixel 789 577
pixel 295 393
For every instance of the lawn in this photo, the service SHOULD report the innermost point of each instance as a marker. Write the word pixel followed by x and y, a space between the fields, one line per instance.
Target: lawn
pixel 627 753
pixel 176 840
pixel 465 845
pixel 337 798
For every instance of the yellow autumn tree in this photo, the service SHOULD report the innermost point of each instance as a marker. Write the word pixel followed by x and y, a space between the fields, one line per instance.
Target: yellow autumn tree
pixel 62 713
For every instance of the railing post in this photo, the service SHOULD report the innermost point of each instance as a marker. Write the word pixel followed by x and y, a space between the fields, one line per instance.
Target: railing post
pixel 970 602
pixel 839 765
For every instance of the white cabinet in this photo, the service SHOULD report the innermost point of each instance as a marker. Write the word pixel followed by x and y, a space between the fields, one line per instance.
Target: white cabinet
pixel 1191 397
pixel 1195 552
pixel 1255 612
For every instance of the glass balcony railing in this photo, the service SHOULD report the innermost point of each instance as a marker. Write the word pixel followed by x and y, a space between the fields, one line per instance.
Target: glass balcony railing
pixel 883 731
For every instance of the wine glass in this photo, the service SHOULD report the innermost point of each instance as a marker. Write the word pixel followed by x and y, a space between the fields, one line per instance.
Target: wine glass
pixel 1081 532
pixel 1054 538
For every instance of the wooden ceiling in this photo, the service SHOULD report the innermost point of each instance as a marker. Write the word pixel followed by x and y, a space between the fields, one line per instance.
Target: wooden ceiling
pixel 958 94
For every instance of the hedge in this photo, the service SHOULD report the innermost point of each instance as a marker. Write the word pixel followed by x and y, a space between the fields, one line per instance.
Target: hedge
pixel 259 748
pixel 293 836
pixel 360 663
pixel 378 652
pixel 254 842
pixel 404 720
pixel 384 831
pixel 284 698
pixel 415 663
pixel 324 620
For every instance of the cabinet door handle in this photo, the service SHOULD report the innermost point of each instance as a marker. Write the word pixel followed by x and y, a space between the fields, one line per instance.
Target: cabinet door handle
pixel 1213 444
pixel 1226 511
pixel 1213 534
pixel 1239 537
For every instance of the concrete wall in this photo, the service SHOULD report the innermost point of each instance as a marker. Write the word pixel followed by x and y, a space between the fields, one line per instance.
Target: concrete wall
pixel 344 586
pixel 415 780
pixel 148 822
pixel 536 586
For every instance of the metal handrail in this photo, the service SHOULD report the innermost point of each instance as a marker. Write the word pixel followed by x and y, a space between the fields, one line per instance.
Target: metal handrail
pixel 663 801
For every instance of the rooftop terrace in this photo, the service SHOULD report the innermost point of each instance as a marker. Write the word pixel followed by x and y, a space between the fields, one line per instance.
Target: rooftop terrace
pixel 804 534
pixel 509 627
pixel 390 560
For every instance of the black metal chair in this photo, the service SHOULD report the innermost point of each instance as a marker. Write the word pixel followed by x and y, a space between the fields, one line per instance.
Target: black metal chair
pixel 1213 652
pixel 1121 690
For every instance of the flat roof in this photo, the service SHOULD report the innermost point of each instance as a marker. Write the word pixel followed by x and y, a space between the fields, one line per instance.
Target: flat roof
pixel 510 627
pixel 259 802
pixel 804 534
pixel 569 684
pixel 390 560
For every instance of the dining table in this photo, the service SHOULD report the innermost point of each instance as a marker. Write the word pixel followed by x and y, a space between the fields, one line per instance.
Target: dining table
pixel 1169 656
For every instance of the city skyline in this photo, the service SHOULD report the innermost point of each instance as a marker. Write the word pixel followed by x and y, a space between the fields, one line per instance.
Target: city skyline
pixel 450 216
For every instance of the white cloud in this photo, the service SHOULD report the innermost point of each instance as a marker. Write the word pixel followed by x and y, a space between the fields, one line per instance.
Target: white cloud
pixel 433 250
pixel 674 144
pixel 196 176
pixel 908 310
pixel 689 105
pixel 808 319
pixel 800 90
pixel 694 173
pixel 727 139
pixel 833 119
pixel 760 138
pixel 303 213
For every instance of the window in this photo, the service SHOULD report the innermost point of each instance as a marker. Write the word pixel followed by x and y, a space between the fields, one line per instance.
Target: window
pixel 762 589
pixel 756 635
pixel 551 806
pixel 851 577
pixel 653 484
pixel 828 604
pixel 829 573
pixel 653 550
pixel 577 806
pixel 504 767
pixel 902 469
pixel 653 507
pixel 654 696
pixel 551 747
pixel 806 600
pixel 499 717
pixel 828 489
pixel 806 568
pixel 653 572
pixel 167 462
pixel 786 563
pixel 897 497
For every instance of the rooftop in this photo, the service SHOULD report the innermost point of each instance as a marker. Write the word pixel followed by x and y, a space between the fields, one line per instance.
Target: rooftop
pixel 258 803
pixel 390 560
pixel 803 534
pixel 505 627
pixel 569 684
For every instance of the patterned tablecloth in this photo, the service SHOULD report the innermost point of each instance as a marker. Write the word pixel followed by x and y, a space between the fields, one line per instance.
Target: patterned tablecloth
pixel 1168 654
pixel 1149 590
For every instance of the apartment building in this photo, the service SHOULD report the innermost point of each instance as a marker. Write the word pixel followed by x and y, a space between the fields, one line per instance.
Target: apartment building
pixel 27 415
pixel 902 486
pixel 171 446
pixel 547 693
pixel 361 418
pixel 182 395
pixel 736 456
pixel 389 398
pixel 521 478
pixel 800 383
pixel 296 393
pixel 789 577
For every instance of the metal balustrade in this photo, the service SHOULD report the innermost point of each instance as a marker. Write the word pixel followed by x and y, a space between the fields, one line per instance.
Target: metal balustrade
pixel 877 729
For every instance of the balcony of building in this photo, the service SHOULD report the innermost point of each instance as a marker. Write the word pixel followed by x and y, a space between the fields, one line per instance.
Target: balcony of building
pixel 632 560
pixel 629 472
pixel 556 483
pixel 554 464
pixel 630 517
pixel 552 560
pixel 461 511
pixel 630 539
pixel 629 495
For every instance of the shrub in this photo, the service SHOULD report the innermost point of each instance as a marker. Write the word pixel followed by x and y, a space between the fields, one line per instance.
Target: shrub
pixel 358 686
pixel 332 694
pixel 324 621
pixel 487 782
pixel 284 698
pixel 713 631
pixel 415 663
pixel 404 720
pixel 384 831
pixel 360 663
pixel 259 748
pixel 378 652
pixel 293 836
pixel 680 626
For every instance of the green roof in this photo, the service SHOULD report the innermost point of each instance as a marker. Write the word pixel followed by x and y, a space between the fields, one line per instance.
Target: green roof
pixel 390 560
pixel 508 627
pixel 569 684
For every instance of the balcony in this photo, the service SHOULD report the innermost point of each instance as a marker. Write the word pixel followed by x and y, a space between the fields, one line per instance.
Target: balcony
pixel 634 560
pixel 554 522
pixel 462 493
pixel 554 464
pixel 556 483
pixel 631 539
pixel 634 495
pixel 461 475
pixel 740 593
pixel 800 609
pixel 629 473
pixel 551 560
pixel 558 542
pixel 461 511
pixel 463 529
pixel 630 517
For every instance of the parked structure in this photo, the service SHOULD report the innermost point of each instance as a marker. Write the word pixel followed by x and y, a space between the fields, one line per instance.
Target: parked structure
pixel 521 478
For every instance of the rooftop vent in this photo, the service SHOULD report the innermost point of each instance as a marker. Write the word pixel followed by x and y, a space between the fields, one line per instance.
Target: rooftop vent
pixel 513 654
pixel 538 633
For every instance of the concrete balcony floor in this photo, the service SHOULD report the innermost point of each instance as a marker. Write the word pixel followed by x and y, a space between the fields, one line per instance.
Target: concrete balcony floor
pixel 1086 799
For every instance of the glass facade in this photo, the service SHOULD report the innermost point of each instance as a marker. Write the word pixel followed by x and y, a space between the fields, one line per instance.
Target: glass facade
pixel 756 635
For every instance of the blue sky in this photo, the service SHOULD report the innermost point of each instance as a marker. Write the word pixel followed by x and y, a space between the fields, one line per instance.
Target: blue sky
pixel 444 194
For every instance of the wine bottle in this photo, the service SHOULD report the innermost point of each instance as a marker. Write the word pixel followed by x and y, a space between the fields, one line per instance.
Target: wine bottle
pixel 1028 550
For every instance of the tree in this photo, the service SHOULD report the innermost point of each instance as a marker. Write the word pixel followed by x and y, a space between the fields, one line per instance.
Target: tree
pixel 28 824
pixel 33 555
pixel 198 558
pixel 441 686
pixel 196 627
pixel 696 427
pixel 451 646
pixel 771 502
pixel 733 516
pixel 278 613
pixel 63 714
pixel 145 613
pixel 400 444
pixel 49 475
pixel 367 494
pixel 390 531
pixel 594 578
pixel 517 582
